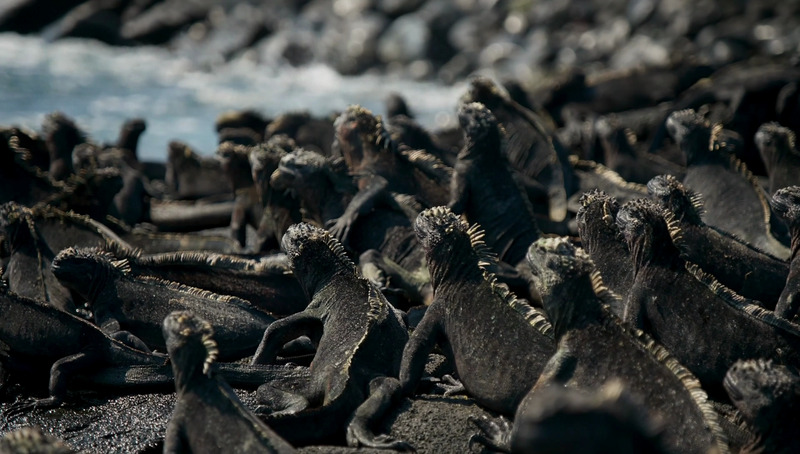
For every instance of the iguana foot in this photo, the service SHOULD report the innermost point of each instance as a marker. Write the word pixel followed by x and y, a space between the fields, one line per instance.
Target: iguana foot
pixel 277 402
pixel 495 434
pixel 358 435
pixel 27 405
pixel 449 386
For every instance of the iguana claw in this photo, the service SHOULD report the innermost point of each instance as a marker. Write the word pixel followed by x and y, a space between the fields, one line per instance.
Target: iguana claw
pixel 358 436
pixel 495 434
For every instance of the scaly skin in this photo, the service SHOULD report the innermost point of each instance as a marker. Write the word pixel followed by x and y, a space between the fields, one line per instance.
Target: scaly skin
pixel 498 344
pixel 359 338
pixel 208 416
pixel 786 202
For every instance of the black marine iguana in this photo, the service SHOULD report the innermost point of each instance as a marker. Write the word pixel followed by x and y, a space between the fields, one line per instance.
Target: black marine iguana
pixel 601 238
pixel 484 190
pixel 781 157
pixel 560 420
pixel 704 324
pixel 61 136
pixel 247 208
pixel 189 176
pixel 786 202
pixel 208 416
pixel 530 147
pixel 768 397
pixel 498 343
pixel 574 297
pixel 36 337
pixel 734 200
pixel 359 337
pixel 739 266
pixel 123 300
pixel 366 146
pixel 267 283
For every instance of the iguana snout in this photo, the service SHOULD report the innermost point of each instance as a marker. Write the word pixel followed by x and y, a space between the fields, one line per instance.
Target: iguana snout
pixel 758 387
pixel 786 202
pixel 476 120
pixel 553 259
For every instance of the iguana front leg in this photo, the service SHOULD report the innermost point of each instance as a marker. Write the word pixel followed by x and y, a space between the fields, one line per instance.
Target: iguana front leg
pixel 383 393
pixel 415 353
pixel 282 331
pixel 362 203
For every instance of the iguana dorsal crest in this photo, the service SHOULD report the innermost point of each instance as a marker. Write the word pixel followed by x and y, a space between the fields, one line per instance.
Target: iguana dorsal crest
pixel 194 327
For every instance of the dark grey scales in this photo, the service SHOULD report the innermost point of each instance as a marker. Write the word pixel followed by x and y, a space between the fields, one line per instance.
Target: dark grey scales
pixel 778 148
pixel 208 416
pixel 705 325
pixel 359 337
pixel 499 344
pixel 123 300
pixel 594 346
pixel 739 266
pixel 767 395
pixel 786 202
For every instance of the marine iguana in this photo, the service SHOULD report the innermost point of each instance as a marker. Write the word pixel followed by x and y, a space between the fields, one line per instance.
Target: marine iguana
pixel 485 192
pixel 530 147
pixel 366 146
pixel 620 155
pixel 704 324
pixel 767 395
pixel 314 133
pixel 734 200
pixel 739 266
pixel 359 337
pixel 600 237
pixel 575 300
pixel 27 258
pixel 786 202
pixel 280 210
pixel 557 420
pixel 121 299
pixel 247 209
pixel 32 440
pixel 267 283
pixel 498 343
pixel 189 176
pixel 375 223
pixel 208 416
pixel 61 136
pixel 781 157
pixel 38 337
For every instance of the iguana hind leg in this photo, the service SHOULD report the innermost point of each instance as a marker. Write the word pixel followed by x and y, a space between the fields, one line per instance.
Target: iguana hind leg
pixel 275 401
pixel 383 392
pixel 284 330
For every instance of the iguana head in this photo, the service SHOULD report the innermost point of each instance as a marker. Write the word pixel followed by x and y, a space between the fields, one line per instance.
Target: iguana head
pixel 483 90
pixel 247 118
pixel 481 130
pixel 264 161
pixel 685 204
pixel 309 175
pixel 559 419
pixel 615 139
pixel 82 269
pixel 562 273
pixel 235 161
pixel 642 224
pixel 690 131
pixel 775 142
pixel 764 392
pixel 315 255
pixel 14 219
pixel 597 219
pixel 786 202
pixel 438 225
pixel 190 344
pixel 61 132
pixel 360 135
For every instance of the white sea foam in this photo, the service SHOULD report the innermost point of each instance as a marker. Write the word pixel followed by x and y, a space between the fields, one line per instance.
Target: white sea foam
pixel 101 86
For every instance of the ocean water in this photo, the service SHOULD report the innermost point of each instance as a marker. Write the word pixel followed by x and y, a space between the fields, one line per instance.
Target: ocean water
pixel 100 86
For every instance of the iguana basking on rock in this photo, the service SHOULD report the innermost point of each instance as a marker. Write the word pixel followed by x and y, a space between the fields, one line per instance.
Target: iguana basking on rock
pixel 498 343
pixel 782 159
pixel 267 283
pixel 366 146
pixel 122 300
pixel 734 200
pixel 37 337
pixel 61 136
pixel 359 339
pixel 575 300
pixel 705 325
pixel 768 396
pixel 601 238
pixel 484 190
pixel 531 148
pixel 208 416
pixel 559 420
pixel 736 264
pixel 247 208
pixel 786 202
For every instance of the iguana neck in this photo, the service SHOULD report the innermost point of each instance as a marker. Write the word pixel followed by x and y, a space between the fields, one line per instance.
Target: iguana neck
pixel 445 265
pixel 644 252
pixel 571 304
pixel 795 242
pixel 187 366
